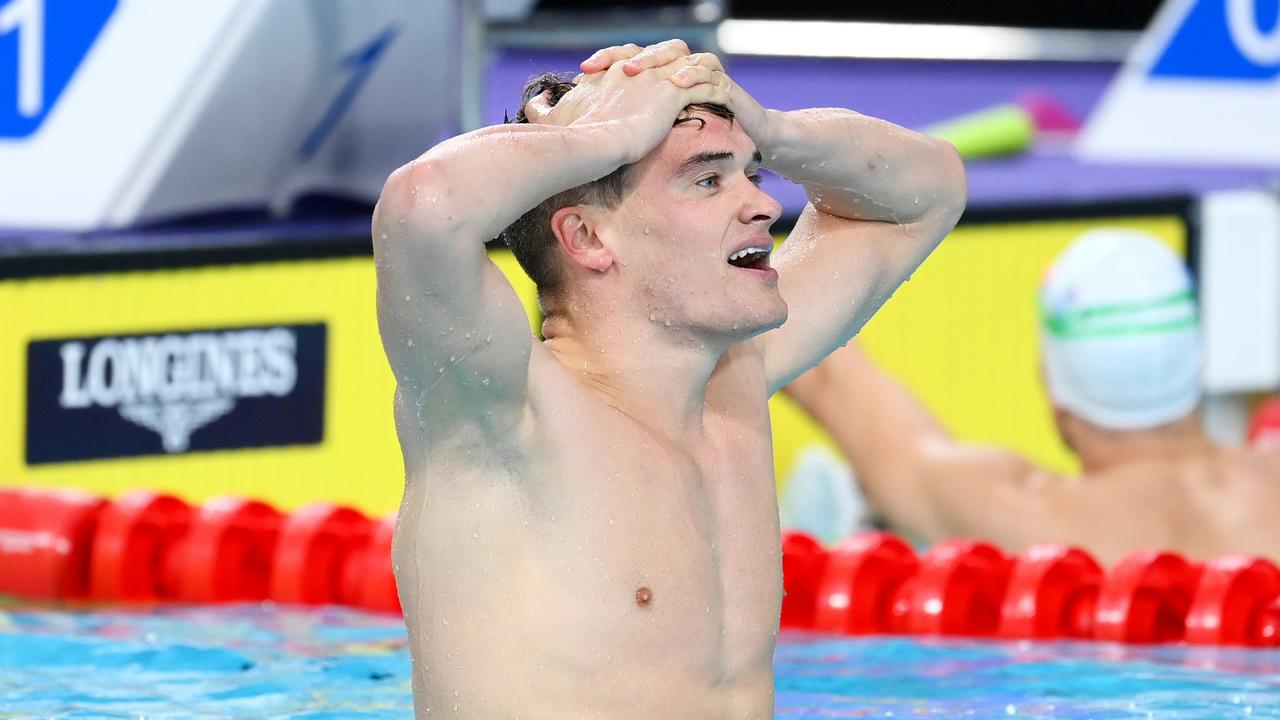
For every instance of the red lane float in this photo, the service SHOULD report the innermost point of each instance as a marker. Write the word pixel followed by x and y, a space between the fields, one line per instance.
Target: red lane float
pixel 1264 428
pixel 368 577
pixel 135 535
pixel 45 540
pixel 957 590
pixel 862 576
pixel 1052 593
pixel 1145 598
pixel 314 545
pixel 227 553
pixel 148 546
pixel 1267 626
pixel 803 562
pixel 1235 603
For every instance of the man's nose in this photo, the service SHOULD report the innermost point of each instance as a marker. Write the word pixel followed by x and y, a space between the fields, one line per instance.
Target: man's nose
pixel 760 207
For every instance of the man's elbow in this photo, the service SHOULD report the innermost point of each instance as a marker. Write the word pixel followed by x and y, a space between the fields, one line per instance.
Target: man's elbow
pixel 416 196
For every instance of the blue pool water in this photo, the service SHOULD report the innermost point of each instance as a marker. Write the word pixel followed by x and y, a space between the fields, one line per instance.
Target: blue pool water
pixel 257 661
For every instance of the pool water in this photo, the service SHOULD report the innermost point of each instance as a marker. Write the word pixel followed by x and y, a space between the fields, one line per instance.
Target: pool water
pixel 260 661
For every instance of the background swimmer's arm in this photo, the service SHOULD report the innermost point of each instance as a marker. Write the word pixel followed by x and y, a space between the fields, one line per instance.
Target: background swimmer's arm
pixel 881 198
pixel 914 475
pixel 450 322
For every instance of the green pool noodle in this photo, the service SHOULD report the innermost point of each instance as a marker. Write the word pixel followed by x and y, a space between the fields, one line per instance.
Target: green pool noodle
pixel 1001 130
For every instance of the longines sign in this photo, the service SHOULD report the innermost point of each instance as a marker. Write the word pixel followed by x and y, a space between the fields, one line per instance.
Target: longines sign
pixel 155 394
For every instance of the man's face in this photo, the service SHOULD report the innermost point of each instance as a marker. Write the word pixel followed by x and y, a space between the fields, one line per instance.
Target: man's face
pixel 684 231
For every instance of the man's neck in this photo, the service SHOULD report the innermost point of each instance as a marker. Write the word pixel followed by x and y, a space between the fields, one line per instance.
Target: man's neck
pixel 645 369
pixel 1102 450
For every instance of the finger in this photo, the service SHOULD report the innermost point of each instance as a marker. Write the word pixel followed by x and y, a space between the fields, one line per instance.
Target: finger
pixel 688 76
pixel 604 58
pixel 708 60
pixel 656 56
pixel 715 92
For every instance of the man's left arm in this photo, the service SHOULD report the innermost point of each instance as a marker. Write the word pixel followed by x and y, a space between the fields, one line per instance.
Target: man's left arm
pixel 881 197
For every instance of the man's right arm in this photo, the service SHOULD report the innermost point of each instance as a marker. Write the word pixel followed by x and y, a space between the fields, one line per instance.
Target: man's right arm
pixel 914 474
pixel 448 317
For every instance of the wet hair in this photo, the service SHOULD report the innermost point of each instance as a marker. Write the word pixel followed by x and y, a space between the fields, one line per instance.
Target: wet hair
pixel 530 238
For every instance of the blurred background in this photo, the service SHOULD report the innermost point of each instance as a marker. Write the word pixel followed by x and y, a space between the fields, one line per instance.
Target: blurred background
pixel 186 279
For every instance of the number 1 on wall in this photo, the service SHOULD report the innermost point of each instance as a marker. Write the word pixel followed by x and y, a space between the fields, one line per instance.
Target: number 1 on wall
pixel 26 17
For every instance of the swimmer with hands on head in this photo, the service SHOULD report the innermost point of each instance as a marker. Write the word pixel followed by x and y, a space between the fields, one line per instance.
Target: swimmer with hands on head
pixel 589 526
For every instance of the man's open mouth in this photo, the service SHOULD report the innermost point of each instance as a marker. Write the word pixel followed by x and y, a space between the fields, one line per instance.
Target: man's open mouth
pixel 751 258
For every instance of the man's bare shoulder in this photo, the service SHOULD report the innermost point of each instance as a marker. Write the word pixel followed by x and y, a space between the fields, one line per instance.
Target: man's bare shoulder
pixel 1257 469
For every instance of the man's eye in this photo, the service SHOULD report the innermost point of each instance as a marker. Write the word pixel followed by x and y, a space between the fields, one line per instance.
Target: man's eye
pixel 709 181
pixel 756 179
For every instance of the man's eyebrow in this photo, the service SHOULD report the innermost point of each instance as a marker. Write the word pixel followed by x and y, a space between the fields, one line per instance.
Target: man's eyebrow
pixel 710 157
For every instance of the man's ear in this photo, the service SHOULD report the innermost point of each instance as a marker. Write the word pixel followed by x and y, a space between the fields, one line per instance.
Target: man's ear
pixel 575 228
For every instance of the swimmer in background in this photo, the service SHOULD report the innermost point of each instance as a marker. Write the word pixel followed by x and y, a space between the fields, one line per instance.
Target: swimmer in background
pixel 1121 360
pixel 590 525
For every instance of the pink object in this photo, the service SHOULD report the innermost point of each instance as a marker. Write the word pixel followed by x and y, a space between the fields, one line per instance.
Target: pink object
pixel 1048 113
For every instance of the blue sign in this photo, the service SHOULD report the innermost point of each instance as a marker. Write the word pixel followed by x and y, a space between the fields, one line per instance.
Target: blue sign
pixel 110 396
pixel 1225 40
pixel 42 43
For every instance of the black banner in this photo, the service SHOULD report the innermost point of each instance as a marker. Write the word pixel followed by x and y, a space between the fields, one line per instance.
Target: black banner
pixel 170 393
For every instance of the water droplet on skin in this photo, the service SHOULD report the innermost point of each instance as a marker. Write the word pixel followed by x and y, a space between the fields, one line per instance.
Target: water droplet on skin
pixel 443 620
pixel 489 338
pixel 453 358
pixel 475 536
pixel 915 201
pixel 652 317
pixel 646 231
pixel 667 323
pixel 408 343
pixel 485 381
pixel 450 328
pixel 407 297
pixel 384 236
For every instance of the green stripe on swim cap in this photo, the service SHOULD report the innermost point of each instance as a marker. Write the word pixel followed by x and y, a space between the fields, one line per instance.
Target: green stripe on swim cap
pixel 1123 319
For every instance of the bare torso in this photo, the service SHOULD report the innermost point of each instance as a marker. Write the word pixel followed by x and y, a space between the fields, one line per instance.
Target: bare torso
pixel 1203 505
pixel 585 567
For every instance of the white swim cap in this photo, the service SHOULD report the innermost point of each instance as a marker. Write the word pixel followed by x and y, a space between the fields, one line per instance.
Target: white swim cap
pixel 1120 331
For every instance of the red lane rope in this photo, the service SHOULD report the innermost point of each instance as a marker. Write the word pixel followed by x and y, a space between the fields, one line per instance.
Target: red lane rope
pixel 152 547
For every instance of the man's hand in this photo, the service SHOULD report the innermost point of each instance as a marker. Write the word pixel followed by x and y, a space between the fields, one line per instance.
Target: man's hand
pixel 673 58
pixel 641 108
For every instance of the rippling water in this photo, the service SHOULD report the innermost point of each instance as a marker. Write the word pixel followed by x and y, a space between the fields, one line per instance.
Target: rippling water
pixel 258 661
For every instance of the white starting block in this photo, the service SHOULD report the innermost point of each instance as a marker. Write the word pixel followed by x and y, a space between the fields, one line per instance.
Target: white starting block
pixel 120 112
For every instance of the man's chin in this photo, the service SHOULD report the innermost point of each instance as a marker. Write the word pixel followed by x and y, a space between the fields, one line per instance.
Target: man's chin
pixel 760 323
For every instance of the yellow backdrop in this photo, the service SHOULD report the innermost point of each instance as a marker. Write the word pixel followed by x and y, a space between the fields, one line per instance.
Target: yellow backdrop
pixel 961 334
